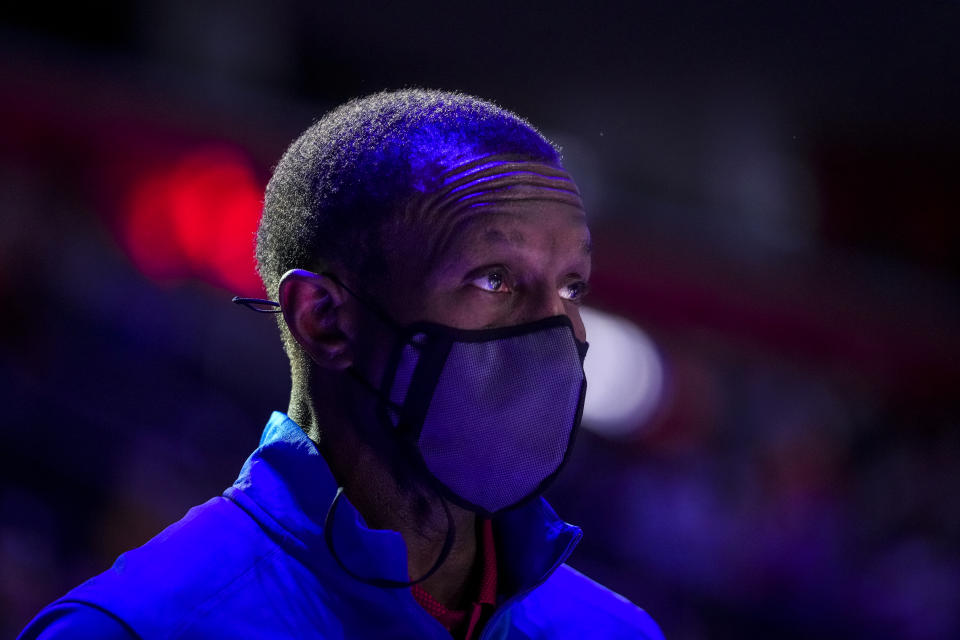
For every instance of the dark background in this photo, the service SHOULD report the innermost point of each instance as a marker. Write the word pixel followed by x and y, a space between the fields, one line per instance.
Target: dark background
pixel 774 196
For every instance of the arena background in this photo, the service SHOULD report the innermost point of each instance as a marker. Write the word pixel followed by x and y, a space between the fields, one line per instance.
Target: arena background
pixel 774 197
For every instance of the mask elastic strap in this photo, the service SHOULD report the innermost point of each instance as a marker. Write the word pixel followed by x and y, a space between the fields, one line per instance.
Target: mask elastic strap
pixel 373 307
pixel 384 582
pixel 379 395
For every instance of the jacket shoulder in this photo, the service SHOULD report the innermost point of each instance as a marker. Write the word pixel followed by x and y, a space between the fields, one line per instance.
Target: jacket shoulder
pixel 175 574
pixel 64 619
pixel 571 605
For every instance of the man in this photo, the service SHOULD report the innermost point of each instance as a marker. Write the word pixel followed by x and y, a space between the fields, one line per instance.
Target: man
pixel 428 254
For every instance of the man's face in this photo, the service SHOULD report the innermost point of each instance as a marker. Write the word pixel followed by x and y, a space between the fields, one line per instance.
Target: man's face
pixel 501 243
pixel 511 249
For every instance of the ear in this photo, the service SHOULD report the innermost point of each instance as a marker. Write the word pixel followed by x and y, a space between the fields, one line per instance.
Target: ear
pixel 311 308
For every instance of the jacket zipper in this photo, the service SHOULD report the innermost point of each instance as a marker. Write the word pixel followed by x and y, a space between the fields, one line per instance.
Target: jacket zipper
pixel 515 598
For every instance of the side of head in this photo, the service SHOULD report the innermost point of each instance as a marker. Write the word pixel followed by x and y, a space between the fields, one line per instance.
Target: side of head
pixel 340 195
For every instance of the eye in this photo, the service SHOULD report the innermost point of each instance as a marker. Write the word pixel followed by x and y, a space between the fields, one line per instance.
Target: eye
pixel 575 291
pixel 492 281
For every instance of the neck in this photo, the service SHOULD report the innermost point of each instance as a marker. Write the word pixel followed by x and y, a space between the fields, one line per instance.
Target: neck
pixel 368 473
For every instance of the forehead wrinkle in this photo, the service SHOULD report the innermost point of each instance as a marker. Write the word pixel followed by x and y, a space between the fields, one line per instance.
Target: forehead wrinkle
pixel 501 195
pixel 457 226
pixel 493 160
pixel 508 174
pixel 457 177
pixel 475 185
pixel 520 183
pixel 502 168
pixel 499 176
pixel 430 216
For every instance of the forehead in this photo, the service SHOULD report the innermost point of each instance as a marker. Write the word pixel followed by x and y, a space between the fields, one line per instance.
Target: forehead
pixel 532 225
pixel 499 203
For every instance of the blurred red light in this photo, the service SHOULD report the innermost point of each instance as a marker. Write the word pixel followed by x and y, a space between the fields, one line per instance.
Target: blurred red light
pixel 197 219
pixel 148 231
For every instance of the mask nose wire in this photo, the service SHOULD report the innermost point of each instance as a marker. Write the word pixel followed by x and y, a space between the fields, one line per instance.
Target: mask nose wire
pixel 384 582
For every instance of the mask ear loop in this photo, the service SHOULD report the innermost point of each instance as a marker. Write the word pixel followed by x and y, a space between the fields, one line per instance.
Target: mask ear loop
pixel 331 512
pixel 384 582
pixel 372 306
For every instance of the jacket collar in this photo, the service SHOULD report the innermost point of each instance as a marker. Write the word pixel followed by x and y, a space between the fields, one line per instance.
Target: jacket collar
pixel 287 487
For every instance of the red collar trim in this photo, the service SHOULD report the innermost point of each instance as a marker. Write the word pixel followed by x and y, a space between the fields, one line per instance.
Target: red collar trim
pixel 468 620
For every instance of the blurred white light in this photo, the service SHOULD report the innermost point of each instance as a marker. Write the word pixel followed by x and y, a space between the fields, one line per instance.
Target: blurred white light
pixel 624 375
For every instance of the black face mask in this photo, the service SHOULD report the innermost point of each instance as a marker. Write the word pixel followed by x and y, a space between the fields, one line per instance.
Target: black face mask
pixel 491 413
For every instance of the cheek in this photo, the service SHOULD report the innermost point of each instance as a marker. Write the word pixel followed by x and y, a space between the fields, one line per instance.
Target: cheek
pixel 373 344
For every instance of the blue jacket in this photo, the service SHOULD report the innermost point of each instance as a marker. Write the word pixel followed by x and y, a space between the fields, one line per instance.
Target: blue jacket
pixel 253 564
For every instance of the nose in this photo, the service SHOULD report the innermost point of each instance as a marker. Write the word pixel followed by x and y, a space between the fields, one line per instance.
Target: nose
pixel 544 301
